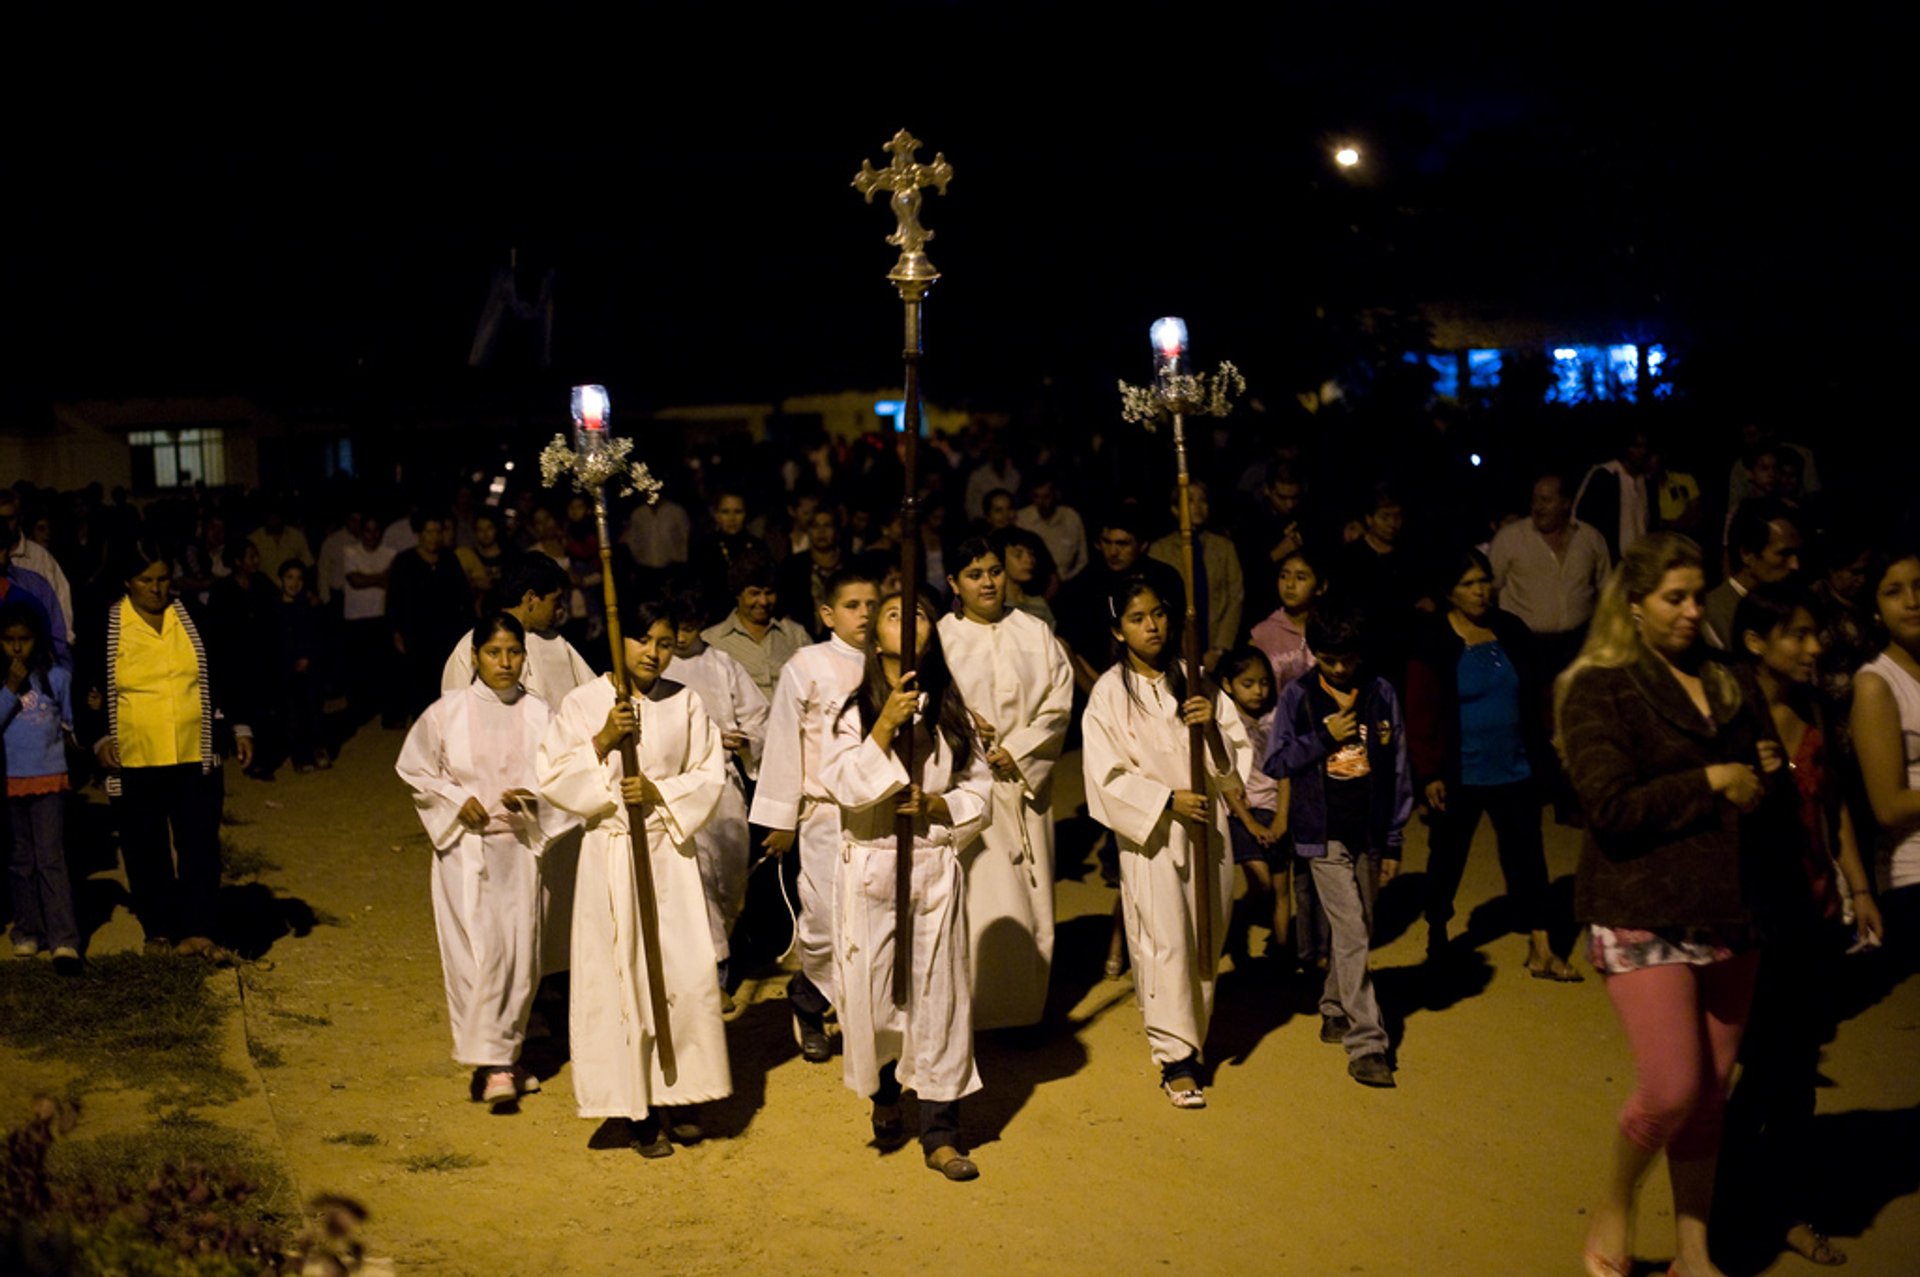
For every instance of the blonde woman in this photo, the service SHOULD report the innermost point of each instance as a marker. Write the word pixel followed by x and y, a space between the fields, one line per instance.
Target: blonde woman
pixel 1664 756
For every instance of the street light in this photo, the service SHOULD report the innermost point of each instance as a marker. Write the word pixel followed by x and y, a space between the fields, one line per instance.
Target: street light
pixel 1347 156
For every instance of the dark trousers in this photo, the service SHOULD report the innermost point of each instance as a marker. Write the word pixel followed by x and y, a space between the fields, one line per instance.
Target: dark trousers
pixel 939 1120
pixel 809 1004
pixel 42 891
pixel 170 839
pixel 370 671
pixel 300 714
pixel 1515 810
pixel 1767 1159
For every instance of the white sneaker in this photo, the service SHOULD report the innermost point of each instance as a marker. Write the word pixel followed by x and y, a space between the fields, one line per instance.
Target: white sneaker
pixel 500 1088
pixel 25 948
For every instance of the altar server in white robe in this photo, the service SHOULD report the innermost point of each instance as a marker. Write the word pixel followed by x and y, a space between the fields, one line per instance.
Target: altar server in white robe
pixel 738 711
pixel 470 763
pixel 531 592
pixel 925 1046
pixel 1015 679
pixel 1138 785
pixel 789 801
pixel 617 1072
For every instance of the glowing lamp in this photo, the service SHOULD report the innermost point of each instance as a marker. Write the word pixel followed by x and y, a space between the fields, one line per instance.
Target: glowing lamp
pixel 1169 337
pixel 1346 157
pixel 590 418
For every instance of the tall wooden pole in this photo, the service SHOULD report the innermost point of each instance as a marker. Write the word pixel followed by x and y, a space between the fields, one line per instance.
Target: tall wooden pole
pixel 912 275
pixel 1198 831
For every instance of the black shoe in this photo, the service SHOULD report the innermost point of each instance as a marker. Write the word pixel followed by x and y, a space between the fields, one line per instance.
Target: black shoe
pixel 683 1124
pixel 814 1047
pixel 649 1138
pixel 1333 1028
pixel 1371 1069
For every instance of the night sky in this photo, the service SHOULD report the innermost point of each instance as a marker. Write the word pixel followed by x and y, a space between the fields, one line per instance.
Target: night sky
pixel 280 205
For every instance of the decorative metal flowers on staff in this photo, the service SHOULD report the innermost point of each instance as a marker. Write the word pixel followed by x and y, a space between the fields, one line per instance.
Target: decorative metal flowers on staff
pixel 600 458
pixel 1174 390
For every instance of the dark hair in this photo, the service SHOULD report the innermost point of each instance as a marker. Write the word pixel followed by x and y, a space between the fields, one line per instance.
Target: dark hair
pixel 647 613
pixel 494 622
pixel 1380 496
pixel 419 519
pixel 997 492
pixel 970 549
pixel 1238 661
pixel 23 611
pixel 234 551
pixel 1337 630
pixel 294 562
pixel 1193 485
pixel 1450 569
pixel 1315 560
pixel 1842 546
pixel 137 556
pixel 1280 470
pixel 535 574
pixel 1126 516
pixel 1752 526
pixel 933 678
pixel 1043 564
pixel 1878 566
pixel 1765 609
pixel 1122 597
pixel 853 572
pixel 752 568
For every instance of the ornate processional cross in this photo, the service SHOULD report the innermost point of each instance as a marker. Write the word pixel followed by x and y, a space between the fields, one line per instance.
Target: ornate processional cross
pixel 905 177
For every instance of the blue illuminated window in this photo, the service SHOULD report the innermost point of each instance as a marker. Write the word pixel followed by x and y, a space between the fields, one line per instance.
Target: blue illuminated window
pixel 1483 369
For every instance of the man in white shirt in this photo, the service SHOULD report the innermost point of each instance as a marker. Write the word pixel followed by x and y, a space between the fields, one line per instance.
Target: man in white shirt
pixel 363 606
pixel 1616 499
pixel 657 535
pixel 1548 570
pixel 1058 525
pixel 995 472
pixel 330 571
pixel 752 634
pixel 31 555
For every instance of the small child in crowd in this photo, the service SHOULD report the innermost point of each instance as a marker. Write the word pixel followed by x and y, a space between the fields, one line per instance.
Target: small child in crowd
pixel 36 706
pixel 1258 830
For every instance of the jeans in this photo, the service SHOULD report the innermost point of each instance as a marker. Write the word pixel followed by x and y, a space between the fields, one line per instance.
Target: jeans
pixel 1346 885
pixel 42 892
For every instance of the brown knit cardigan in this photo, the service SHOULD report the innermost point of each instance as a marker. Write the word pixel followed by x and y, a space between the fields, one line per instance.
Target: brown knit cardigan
pixel 1662 849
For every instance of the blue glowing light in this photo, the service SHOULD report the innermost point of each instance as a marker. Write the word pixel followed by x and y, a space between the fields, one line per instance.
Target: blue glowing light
pixel 1483 369
pixel 1475 459
pixel 895 408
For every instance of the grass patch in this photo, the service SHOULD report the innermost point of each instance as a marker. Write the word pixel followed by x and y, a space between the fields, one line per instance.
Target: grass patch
pixel 238 864
pixel 145 1023
pixel 265 1055
pixel 312 1021
pixel 434 1163
pixel 178 1139
pixel 352 1139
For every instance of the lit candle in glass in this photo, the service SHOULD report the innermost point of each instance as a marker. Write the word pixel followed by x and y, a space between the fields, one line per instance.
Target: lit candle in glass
pixel 1169 338
pixel 590 419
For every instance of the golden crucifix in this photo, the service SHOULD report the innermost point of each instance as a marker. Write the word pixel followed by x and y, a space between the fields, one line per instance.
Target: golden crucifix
pixel 904 177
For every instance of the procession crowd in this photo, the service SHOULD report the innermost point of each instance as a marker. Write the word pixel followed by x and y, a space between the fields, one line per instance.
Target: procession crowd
pixel 1725 696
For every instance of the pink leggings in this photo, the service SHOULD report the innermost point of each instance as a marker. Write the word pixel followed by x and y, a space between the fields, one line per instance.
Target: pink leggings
pixel 1684 1025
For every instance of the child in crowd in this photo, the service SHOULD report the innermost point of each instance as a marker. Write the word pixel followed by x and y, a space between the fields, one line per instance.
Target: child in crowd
pixel 302 642
pixel 1338 736
pixel 36 706
pixel 1258 831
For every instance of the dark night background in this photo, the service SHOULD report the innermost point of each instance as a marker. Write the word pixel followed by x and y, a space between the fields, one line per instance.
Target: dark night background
pixel 304 204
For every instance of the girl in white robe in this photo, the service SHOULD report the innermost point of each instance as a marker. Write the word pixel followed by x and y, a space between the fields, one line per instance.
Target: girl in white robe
pixel 470 763
pixel 616 1068
pixel 926 1045
pixel 1016 681
pixel 1137 779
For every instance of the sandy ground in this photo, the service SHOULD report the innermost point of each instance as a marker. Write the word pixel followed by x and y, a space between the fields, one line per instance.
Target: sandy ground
pixel 1482 1161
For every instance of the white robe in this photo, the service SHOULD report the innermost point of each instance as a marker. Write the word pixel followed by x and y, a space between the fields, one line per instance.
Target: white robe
pixel 616 1068
pixel 814 684
pixel 932 1036
pixel 1013 674
pixel 486 898
pixel 1135 756
pixel 734 704
pixel 553 669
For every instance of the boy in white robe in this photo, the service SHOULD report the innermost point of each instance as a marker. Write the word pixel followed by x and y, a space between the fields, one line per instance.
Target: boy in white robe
pixel 617 1071
pixel 813 686
pixel 531 594
pixel 1135 753
pixel 739 712
pixel 470 763
pixel 925 1045
pixel 1017 683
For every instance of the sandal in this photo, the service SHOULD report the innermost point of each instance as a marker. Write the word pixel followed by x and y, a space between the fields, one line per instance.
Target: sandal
pixel 952 1163
pixel 1598 1265
pixel 1814 1246
pixel 1185 1093
pixel 1556 969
